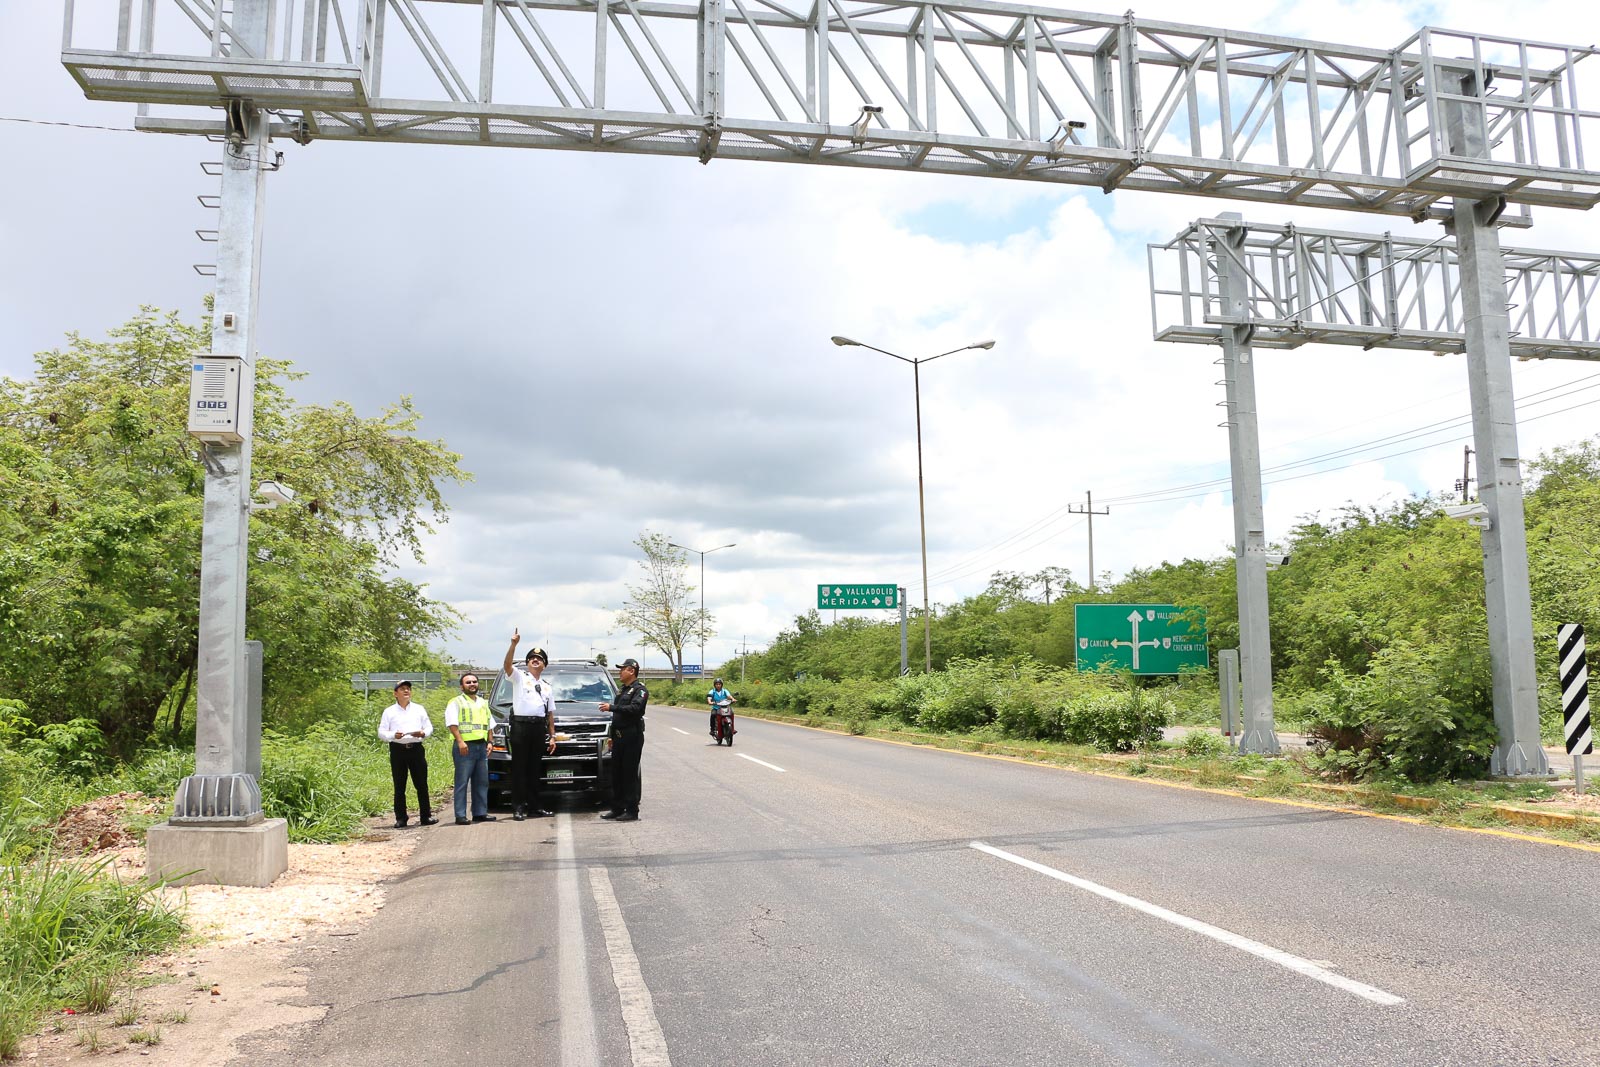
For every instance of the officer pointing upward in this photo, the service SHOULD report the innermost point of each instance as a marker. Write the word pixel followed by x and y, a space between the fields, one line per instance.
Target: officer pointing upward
pixel 533 727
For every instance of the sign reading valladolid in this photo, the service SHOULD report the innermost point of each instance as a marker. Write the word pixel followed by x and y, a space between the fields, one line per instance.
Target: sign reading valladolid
pixel 1142 638
pixel 846 595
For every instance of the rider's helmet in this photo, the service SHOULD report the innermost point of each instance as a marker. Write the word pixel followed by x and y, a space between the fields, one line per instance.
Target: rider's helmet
pixel 717 682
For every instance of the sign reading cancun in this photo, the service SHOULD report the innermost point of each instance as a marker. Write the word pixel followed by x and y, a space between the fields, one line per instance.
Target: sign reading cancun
pixel 1142 638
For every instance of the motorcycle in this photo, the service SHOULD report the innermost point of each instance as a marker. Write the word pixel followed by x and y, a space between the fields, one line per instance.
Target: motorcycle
pixel 725 730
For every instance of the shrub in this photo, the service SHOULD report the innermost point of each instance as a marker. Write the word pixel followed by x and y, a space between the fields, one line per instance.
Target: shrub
pixel 1199 744
pixel 76 746
pixel 327 781
pixel 958 700
pixel 1420 713
pixel 1116 720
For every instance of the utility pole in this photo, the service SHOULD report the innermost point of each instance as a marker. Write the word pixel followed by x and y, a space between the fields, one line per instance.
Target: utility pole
pixel 1466 478
pixel 1088 509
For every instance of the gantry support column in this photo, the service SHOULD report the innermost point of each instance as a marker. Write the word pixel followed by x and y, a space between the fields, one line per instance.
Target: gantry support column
pixel 1517 751
pixel 1258 731
pixel 217 829
pixel 1507 596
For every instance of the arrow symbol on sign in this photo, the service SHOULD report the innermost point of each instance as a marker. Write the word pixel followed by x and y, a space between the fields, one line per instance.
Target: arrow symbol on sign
pixel 874 601
pixel 1136 644
pixel 837 591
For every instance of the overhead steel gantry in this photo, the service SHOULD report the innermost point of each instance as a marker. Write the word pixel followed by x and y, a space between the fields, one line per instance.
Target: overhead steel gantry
pixel 991 89
pixel 1445 125
pixel 1242 286
pixel 1374 290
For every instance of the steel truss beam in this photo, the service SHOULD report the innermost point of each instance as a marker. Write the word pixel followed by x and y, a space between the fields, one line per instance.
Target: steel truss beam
pixel 993 89
pixel 1372 290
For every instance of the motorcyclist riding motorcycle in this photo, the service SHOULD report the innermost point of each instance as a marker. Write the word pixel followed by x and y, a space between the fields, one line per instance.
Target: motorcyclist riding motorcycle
pixel 718 698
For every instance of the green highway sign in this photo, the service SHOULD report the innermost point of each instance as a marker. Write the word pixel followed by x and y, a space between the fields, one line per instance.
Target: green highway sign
pixel 842 595
pixel 1142 638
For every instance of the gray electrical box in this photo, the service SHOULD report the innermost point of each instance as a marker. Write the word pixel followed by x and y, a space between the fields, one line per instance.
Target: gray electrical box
pixel 214 399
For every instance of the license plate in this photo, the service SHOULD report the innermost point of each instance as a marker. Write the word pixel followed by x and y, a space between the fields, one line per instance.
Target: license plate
pixel 559 772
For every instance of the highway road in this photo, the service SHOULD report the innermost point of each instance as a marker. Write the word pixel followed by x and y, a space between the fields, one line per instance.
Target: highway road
pixel 811 898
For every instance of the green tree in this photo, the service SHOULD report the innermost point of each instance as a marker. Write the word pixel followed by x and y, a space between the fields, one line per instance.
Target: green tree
pixel 100 514
pixel 659 608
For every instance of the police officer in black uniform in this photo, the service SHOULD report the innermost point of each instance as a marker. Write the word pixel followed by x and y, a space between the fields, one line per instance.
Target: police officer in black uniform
pixel 627 743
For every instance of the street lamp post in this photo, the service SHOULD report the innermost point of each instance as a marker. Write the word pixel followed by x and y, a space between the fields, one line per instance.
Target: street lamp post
pixel 702 554
pixel 922 511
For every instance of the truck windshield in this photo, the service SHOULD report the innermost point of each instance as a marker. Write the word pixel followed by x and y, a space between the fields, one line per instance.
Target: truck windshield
pixel 580 685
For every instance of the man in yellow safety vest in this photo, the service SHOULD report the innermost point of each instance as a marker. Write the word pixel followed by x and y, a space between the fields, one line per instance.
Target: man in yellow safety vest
pixel 467 717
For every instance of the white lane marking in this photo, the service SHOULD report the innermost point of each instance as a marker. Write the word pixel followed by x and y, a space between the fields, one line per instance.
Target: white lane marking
pixel 646 1043
pixel 685 733
pixel 1244 944
pixel 763 763
pixel 572 955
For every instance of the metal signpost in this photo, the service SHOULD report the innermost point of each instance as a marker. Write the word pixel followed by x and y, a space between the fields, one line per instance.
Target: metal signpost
pixel 1574 672
pixel 1228 686
pixel 1142 638
pixel 997 89
pixel 905 665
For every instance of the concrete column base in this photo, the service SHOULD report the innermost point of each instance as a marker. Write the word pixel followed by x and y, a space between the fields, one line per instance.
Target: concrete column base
pixel 218 855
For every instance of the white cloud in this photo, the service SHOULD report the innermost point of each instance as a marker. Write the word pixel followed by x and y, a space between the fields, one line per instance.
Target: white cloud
pixel 619 343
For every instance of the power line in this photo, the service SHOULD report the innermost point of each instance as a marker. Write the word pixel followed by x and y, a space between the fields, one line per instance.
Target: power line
pixel 974 563
pixel 70 125
pixel 1398 437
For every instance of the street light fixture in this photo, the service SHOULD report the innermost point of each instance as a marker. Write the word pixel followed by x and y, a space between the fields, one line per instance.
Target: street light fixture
pixel 922 511
pixel 702 554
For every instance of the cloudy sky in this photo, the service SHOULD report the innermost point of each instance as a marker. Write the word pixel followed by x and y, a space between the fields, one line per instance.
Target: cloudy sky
pixel 618 344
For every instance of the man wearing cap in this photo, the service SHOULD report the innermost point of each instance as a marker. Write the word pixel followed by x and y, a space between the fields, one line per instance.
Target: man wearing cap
pixel 627 744
pixel 467 717
pixel 533 727
pixel 405 726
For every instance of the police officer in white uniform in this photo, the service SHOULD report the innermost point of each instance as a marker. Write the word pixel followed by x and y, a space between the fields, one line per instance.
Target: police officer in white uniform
pixel 533 727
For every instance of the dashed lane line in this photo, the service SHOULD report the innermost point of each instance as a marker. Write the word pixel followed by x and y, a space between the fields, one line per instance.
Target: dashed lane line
pixel 1274 955
pixel 763 763
pixel 647 1045
pixel 685 733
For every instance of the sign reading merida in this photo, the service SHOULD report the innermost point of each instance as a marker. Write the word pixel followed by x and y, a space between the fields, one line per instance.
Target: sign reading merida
pixel 849 595
pixel 1142 638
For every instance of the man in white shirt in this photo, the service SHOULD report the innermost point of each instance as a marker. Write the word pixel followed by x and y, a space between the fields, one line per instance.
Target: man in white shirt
pixel 405 726
pixel 533 727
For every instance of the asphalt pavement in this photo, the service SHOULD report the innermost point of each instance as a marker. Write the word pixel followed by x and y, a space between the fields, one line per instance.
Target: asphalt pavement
pixel 811 898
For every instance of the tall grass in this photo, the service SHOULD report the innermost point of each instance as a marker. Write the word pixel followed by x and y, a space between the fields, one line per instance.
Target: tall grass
pixel 67 928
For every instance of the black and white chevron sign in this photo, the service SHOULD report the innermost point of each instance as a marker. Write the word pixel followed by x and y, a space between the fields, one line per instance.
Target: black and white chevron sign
pixel 1574 688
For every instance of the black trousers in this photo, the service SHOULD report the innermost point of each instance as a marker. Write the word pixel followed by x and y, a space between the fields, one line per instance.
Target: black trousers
pixel 528 742
pixel 626 785
pixel 404 760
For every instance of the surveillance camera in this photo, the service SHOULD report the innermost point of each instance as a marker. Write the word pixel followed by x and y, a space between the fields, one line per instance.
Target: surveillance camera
pixel 872 109
pixel 1475 513
pixel 275 493
pixel 1276 559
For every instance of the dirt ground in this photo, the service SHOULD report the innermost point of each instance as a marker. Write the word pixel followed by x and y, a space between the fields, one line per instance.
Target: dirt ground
pixel 244 966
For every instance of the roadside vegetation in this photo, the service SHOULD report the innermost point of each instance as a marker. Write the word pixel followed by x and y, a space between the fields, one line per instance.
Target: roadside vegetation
pixel 100 511
pixel 1379 642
